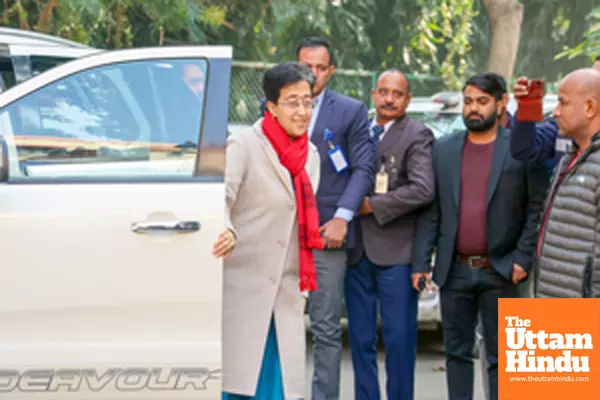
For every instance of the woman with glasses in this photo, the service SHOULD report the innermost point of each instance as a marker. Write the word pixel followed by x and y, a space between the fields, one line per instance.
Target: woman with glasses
pixel 271 175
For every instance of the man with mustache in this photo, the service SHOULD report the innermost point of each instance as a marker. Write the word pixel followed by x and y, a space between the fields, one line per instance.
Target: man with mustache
pixel 379 273
pixel 483 226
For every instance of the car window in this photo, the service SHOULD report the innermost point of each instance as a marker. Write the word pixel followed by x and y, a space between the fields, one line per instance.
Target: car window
pixel 30 65
pixel 127 120
pixel 40 64
pixel 7 73
pixel 440 123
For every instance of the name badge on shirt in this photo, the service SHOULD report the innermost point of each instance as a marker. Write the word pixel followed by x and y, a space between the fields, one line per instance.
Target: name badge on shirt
pixel 337 158
pixel 336 155
pixel 381 181
pixel 562 145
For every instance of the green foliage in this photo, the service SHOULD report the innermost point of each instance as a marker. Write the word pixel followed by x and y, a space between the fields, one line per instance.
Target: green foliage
pixel 548 27
pixel 448 28
pixel 297 19
pixel 590 46
pixel 445 38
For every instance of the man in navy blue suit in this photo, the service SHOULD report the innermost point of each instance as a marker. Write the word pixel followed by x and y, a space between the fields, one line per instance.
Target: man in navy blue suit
pixel 339 128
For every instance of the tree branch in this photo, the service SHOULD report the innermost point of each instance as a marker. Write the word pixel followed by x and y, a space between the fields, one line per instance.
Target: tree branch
pixel 229 25
pixel 506 17
pixel 44 18
pixel 23 24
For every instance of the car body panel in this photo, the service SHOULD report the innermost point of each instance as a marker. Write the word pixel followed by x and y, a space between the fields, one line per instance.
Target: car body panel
pixel 109 287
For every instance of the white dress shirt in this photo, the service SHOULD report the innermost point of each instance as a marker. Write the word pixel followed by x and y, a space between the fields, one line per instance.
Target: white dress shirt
pixel 315 112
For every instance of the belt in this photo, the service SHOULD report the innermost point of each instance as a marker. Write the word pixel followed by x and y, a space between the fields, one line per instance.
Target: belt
pixel 476 262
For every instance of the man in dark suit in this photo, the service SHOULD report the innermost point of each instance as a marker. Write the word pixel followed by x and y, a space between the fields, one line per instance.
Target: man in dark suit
pixel 340 129
pixel 483 224
pixel 379 272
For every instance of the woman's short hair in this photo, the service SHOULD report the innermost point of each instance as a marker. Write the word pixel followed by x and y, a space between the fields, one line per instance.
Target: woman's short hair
pixel 285 74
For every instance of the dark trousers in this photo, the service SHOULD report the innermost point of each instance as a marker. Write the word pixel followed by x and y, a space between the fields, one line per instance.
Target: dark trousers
pixel 467 292
pixel 366 286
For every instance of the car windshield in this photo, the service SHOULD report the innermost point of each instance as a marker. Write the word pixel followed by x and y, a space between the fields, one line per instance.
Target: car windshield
pixel 441 123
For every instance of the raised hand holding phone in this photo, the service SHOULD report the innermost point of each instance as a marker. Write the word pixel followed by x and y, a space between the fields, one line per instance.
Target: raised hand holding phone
pixel 521 88
pixel 530 94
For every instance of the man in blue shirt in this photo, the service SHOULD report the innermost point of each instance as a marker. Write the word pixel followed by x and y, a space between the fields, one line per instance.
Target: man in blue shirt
pixel 537 143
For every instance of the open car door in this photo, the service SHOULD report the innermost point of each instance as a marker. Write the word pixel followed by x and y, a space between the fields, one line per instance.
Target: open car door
pixel 111 197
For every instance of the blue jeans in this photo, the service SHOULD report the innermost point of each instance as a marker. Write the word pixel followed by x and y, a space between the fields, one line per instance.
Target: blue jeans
pixel 368 285
pixel 270 383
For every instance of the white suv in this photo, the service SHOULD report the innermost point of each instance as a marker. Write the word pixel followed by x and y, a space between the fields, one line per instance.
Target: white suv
pixel 111 196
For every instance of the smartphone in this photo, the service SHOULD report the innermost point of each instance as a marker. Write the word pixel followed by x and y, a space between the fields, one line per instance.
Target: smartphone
pixel 422 283
pixel 530 106
pixel 536 89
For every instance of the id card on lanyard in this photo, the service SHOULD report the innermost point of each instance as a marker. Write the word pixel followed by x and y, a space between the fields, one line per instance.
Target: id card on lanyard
pixel 382 178
pixel 335 153
pixel 381 181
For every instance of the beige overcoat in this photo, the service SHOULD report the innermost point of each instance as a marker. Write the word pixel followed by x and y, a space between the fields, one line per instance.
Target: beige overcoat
pixel 261 274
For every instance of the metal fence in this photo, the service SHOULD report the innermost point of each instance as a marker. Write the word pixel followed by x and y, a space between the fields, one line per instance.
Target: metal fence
pixel 246 88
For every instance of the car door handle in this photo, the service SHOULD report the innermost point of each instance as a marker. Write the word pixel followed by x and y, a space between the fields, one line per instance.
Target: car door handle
pixel 176 226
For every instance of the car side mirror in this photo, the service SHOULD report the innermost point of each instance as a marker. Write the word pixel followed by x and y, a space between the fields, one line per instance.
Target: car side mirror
pixel 3 160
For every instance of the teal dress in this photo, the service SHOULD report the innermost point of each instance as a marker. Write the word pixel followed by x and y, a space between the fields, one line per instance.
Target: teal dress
pixel 270 383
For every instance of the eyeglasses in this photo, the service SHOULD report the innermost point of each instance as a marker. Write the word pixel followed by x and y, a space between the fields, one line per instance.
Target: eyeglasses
pixel 294 105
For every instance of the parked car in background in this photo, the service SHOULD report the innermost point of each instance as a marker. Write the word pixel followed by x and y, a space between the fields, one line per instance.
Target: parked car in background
pixel 442 112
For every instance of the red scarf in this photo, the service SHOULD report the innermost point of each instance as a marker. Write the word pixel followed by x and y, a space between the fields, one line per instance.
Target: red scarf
pixel 293 155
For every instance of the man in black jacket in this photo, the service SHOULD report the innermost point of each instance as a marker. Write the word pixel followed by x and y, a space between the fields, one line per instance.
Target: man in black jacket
pixel 483 224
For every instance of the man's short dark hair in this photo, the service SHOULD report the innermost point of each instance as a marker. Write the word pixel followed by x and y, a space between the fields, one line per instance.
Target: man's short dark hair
pixel 489 82
pixel 598 57
pixel 397 71
pixel 313 42
pixel 285 74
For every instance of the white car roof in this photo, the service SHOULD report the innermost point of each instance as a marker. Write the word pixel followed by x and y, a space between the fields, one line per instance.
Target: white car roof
pixel 11 36
pixel 51 51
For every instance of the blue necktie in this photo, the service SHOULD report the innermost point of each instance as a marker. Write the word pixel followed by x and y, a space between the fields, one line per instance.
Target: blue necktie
pixel 377 132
